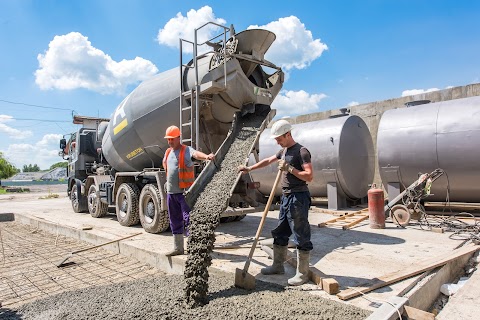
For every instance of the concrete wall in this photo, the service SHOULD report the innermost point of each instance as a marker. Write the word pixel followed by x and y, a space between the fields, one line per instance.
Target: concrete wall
pixel 372 112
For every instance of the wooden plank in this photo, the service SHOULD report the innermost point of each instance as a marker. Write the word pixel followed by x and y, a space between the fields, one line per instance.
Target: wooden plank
pixel 417 314
pixel 462 215
pixel 452 204
pixel 349 219
pixel 340 212
pixel 351 224
pixel 413 270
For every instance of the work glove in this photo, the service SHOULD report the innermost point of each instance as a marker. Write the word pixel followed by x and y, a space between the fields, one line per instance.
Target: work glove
pixel 284 166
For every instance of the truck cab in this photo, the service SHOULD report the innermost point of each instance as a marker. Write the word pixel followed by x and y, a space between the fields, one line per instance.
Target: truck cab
pixel 82 150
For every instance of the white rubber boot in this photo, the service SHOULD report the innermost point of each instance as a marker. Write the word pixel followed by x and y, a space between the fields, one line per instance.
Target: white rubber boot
pixel 279 257
pixel 177 246
pixel 303 261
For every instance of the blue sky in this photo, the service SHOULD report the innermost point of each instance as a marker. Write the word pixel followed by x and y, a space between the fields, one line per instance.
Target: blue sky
pixel 85 56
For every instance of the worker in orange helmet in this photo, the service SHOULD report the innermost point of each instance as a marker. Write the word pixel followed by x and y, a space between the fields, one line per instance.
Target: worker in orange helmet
pixel 178 165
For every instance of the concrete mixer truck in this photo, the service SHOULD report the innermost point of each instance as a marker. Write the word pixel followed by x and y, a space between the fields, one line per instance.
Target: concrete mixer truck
pixel 116 163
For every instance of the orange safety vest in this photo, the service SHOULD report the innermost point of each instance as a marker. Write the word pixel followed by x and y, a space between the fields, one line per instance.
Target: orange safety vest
pixel 186 175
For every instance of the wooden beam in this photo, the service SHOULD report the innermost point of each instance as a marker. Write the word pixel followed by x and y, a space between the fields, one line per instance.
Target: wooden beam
pixel 330 285
pixel 417 314
pixel 411 271
pixel 348 220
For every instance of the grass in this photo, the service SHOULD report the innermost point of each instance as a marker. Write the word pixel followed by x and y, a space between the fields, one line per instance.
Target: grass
pixel 50 195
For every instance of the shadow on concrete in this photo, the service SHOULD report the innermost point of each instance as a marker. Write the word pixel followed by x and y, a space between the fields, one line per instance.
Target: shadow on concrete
pixel 325 240
pixel 9 314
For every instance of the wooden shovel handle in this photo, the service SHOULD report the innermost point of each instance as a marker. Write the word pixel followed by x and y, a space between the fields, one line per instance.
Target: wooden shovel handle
pixel 262 222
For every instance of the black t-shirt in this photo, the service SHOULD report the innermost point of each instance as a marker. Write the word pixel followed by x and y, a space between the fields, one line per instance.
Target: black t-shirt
pixel 296 155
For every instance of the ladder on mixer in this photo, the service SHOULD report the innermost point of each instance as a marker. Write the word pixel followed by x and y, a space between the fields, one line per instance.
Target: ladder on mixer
pixel 190 113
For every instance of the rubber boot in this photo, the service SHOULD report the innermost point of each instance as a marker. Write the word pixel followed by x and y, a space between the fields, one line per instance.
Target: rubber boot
pixel 177 246
pixel 279 257
pixel 303 261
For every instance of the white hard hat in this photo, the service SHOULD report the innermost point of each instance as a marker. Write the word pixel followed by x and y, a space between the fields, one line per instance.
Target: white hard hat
pixel 280 128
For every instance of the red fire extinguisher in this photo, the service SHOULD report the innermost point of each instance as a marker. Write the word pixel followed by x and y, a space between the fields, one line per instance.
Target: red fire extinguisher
pixel 376 208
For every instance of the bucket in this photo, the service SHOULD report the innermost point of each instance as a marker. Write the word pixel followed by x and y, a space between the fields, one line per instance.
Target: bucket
pixel 376 210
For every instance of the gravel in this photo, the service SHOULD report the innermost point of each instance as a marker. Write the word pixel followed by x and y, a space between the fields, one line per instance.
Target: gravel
pixel 161 297
pixel 213 200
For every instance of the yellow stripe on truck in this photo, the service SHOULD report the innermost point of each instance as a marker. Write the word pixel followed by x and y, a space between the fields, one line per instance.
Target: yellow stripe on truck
pixel 120 126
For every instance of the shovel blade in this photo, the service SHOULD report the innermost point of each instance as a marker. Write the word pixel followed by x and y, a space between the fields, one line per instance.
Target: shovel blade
pixel 244 280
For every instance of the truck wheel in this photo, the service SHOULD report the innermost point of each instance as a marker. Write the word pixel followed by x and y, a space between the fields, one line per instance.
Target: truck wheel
pixel 96 207
pixel 79 204
pixel 126 204
pixel 152 218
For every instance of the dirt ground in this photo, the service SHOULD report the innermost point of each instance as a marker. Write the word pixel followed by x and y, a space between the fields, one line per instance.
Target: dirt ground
pixel 104 285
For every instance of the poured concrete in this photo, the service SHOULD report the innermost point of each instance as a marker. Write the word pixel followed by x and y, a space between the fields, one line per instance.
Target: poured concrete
pixel 351 256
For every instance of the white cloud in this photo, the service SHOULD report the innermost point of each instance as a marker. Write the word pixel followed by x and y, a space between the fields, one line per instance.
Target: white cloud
pixel 183 27
pixel 290 103
pixel 5 118
pixel 71 62
pixel 294 47
pixel 44 153
pixel 417 91
pixel 353 103
pixel 12 132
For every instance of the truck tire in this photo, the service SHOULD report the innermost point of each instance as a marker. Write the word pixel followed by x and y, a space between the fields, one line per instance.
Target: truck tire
pixel 79 203
pixel 152 218
pixel 126 204
pixel 96 207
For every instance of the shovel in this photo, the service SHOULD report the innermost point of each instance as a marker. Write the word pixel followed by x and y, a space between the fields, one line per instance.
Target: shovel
pixel 62 263
pixel 242 278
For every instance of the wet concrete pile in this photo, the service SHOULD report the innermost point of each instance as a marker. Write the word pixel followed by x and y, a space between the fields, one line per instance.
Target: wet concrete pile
pixel 212 201
pixel 160 297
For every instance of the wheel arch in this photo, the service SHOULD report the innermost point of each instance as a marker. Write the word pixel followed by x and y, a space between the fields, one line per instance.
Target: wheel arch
pixel 96 180
pixel 118 182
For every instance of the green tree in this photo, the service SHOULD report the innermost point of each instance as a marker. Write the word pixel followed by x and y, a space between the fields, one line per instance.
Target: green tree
pixel 31 168
pixel 62 164
pixel 6 168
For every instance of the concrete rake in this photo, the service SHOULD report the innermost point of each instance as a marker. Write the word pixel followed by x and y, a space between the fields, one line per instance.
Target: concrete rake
pixel 62 262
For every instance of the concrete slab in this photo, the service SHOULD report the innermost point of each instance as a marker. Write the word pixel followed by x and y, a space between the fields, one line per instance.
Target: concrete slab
pixel 351 257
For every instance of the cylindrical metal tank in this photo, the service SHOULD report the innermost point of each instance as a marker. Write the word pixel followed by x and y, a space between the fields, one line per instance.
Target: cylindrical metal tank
pixel 134 138
pixel 376 208
pixel 341 149
pixel 421 138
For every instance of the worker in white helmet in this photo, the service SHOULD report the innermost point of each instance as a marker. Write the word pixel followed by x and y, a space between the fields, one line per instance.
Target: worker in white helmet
pixel 295 162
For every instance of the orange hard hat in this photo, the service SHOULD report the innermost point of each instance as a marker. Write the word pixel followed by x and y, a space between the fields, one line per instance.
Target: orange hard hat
pixel 172 132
